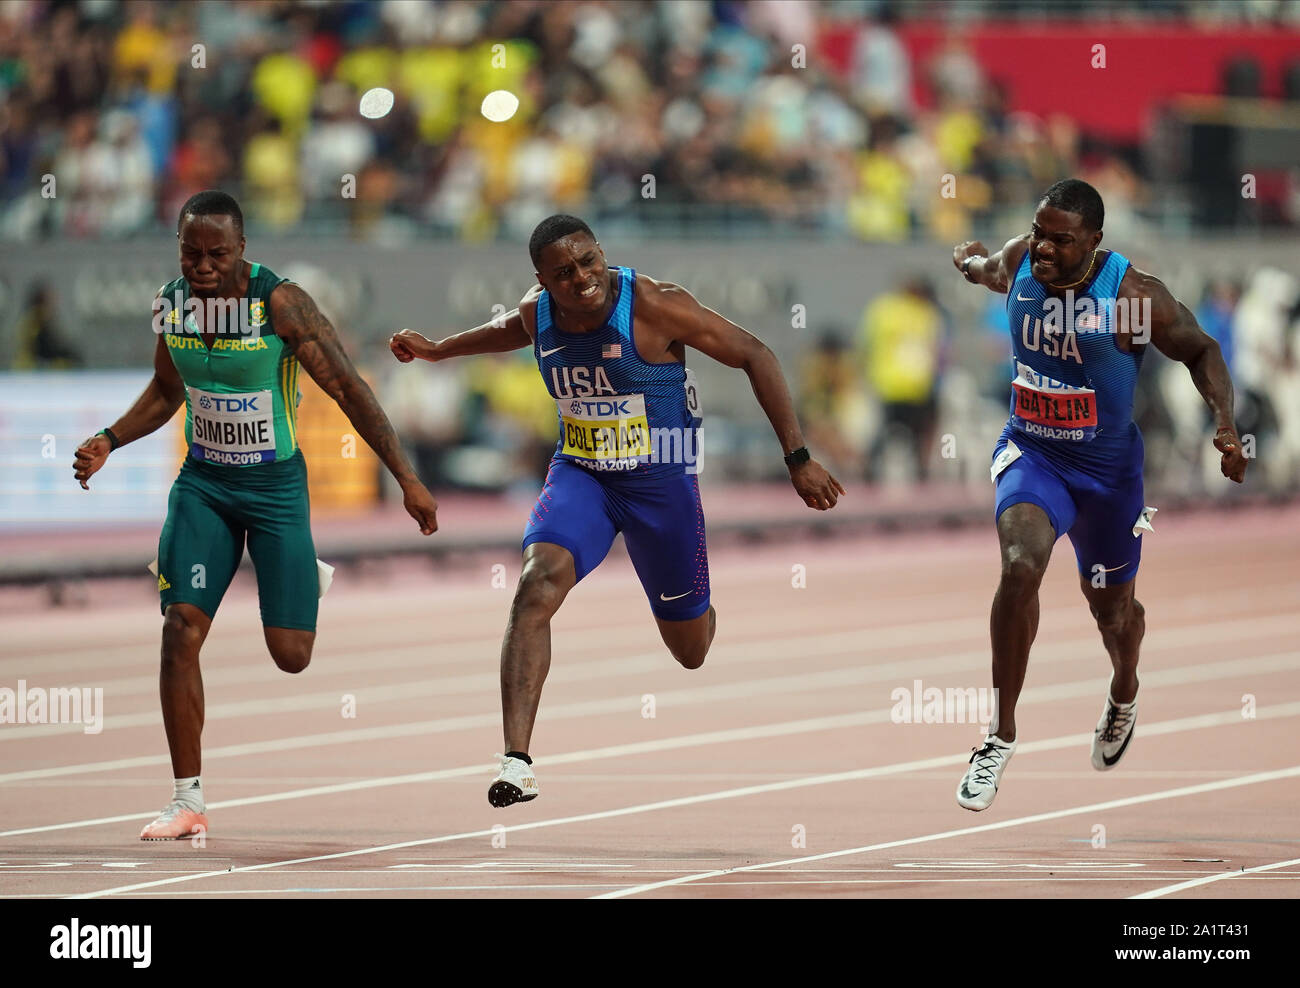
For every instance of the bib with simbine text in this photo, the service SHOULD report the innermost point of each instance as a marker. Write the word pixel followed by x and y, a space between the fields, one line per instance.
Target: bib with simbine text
pixel 232 429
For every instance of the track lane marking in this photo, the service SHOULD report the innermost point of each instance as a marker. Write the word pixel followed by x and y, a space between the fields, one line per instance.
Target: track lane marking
pixel 1245 780
pixel 1157 729
pixel 1222 876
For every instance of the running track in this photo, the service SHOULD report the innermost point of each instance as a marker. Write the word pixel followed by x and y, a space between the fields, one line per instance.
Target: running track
pixel 773 771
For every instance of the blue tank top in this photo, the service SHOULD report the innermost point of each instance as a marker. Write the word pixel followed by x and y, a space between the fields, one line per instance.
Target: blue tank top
pixel 1072 394
pixel 617 412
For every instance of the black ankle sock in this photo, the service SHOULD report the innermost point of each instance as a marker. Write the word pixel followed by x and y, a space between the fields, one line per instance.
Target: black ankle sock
pixel 520 755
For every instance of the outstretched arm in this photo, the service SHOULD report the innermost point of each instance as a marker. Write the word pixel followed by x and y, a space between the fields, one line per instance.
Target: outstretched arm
pixel 1176 334
pixel 696 326
pixel 151 411
pixel 995 272
pixel 306 332
pixel 505 332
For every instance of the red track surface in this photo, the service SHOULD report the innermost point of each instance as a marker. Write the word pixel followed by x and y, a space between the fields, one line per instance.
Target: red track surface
pixel 786 731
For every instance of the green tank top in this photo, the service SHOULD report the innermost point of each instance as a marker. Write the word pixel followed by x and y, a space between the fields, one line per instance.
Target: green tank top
pixel 241 394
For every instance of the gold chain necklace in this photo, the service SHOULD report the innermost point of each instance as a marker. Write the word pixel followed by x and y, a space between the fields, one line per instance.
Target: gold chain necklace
pixel 1081 280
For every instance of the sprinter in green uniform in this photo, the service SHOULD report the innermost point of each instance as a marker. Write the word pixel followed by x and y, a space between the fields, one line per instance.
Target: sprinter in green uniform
pixel 231 339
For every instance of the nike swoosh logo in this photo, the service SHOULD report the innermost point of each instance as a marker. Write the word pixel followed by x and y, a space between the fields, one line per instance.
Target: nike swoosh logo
pixel 678 597
pixel 1021 298
pixel 1122 748
pixel 1114 568
pixel 547 353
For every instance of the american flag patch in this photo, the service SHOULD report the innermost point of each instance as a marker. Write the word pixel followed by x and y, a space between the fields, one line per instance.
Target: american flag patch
pixel 611 350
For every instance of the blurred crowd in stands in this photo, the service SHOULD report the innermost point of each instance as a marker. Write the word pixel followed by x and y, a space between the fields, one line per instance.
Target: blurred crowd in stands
pixel 135 105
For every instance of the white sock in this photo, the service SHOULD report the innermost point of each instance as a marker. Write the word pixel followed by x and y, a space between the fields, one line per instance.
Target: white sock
pixel 189 792
pixel 1121 706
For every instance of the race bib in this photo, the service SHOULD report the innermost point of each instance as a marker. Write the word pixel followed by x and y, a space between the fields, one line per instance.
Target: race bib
pixel 611 427
pixel 693 407
pixel 232 429
pixel 1043 406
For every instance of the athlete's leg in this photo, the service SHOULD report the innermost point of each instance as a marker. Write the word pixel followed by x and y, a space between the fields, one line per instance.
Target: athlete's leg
pixel 1122 623
pixel 284 556
pixel 289 647
pixel 1033 508
pixel 1108 556
pixel 569 532
pixel 663 528
pixel 547 577
pixel 1026 537
pixel 198 552
pixel 180 685
pixel 689 641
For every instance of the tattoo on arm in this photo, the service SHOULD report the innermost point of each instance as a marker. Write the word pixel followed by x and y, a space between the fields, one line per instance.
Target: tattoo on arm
pixel 311 338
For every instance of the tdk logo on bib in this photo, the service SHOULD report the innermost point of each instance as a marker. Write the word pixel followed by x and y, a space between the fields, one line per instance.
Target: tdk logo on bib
pixel 236 403
pixel 619 407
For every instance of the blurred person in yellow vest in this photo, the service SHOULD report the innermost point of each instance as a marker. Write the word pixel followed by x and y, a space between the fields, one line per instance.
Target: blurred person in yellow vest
pixel 143 45
pixel 901 336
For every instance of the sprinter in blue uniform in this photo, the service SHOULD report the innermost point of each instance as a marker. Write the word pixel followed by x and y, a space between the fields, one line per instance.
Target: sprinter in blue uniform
pixel 611 348
pixel 1069 461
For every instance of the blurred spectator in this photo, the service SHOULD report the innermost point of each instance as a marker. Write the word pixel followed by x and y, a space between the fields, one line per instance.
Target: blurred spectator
pixel 40 345
pixel 901 337
pixel 1215 314
pixel 426 404
pixel 273 193
pixel 831 404
pixel 739 127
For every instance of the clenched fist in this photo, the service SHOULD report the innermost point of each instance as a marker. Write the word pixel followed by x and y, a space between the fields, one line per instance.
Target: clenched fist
pixel 408 344
pixel 1234 460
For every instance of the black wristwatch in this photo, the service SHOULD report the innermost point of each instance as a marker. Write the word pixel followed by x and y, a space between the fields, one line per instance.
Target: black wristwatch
pixel 965 266
pixel 798 456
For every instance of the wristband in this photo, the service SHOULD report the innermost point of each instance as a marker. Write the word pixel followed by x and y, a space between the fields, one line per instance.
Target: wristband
pixel 107 433
pixel 798 456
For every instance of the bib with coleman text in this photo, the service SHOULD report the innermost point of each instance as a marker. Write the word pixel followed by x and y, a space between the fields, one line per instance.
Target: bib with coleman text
pixel 236 429
pixel 616 412
pixel 612 426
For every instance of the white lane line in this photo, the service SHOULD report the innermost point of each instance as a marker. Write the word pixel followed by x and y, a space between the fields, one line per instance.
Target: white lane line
pixel 1034 695
pixel 368 609
pixel 1245 780
pixel 1159 728
pixel 858 641
pixel 1197 882
pixel 1063 650
pixel 740 653
pixel 1030 696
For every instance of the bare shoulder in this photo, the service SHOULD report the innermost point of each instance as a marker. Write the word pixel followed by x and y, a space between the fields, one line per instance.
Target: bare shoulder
pixel 1012 253
pixel 290 299
pixel 660 295
pixel 528 308
pixel 1138 284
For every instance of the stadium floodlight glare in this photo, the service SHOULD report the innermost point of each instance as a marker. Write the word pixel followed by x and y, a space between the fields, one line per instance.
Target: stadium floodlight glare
pixel 499 105
pixel 376 103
